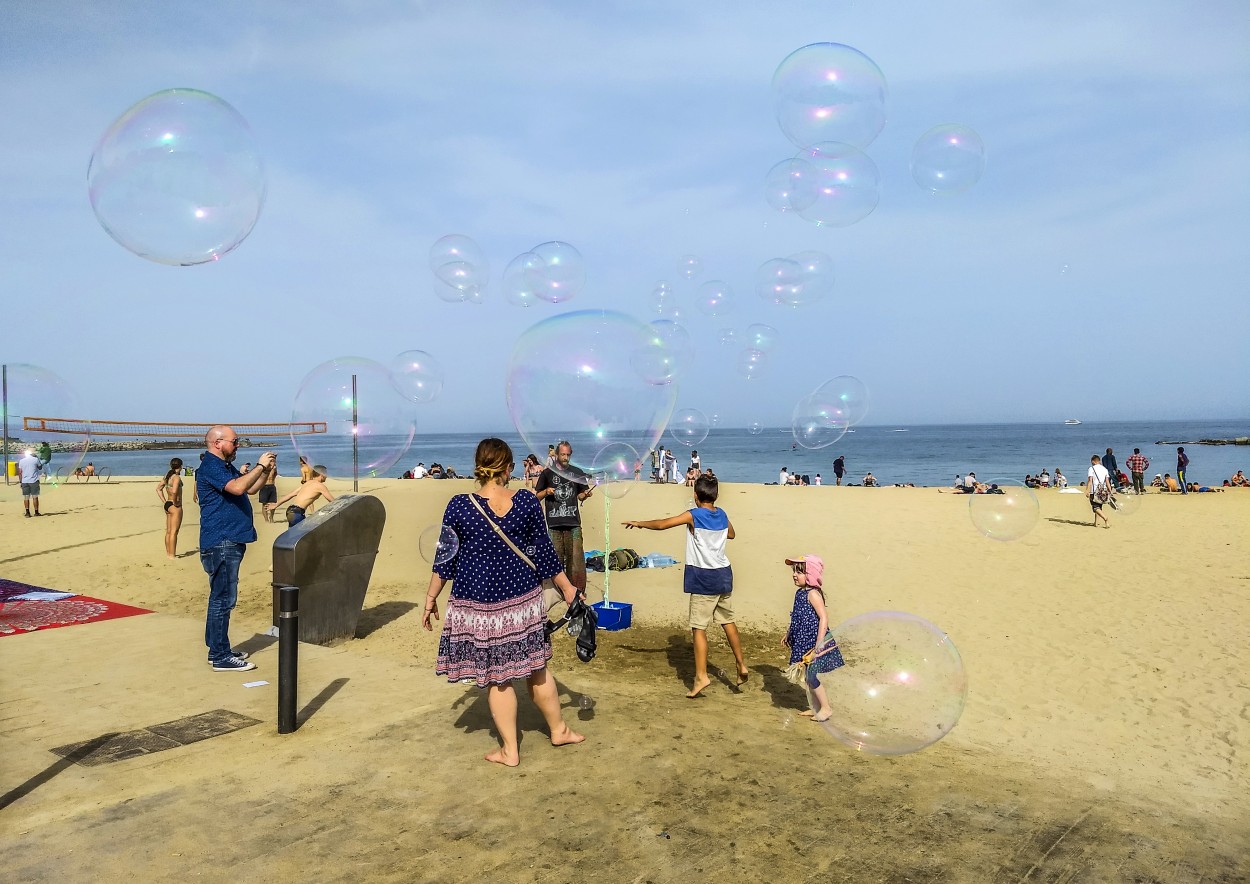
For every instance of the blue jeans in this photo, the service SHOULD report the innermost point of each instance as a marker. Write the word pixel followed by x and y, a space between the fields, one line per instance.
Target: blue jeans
pixel 221 563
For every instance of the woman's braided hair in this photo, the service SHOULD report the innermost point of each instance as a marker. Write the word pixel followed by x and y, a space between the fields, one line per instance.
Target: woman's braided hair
pixel 492 460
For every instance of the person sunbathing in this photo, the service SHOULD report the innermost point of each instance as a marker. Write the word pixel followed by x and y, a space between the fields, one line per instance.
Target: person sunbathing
pixel 1170 484
pixel 1239 480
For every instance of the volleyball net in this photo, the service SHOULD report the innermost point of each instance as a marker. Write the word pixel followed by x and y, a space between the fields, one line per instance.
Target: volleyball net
pixel 166 429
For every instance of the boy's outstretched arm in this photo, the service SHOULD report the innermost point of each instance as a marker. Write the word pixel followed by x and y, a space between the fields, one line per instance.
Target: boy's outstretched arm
pixel 662 524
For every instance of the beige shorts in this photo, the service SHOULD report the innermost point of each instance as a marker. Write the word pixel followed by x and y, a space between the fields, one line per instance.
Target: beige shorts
pixel 708 609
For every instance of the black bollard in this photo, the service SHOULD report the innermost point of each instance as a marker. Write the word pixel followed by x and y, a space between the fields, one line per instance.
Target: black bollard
pixel 288 656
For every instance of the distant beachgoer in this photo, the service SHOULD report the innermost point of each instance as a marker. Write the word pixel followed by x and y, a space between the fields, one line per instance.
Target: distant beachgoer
pixel 1061 481
pixel 29 469
pixel 839 468
pixel 1170 484
pixel 970 483
pixel 268 496
pixel 303 497
pixel 1098 487
pixel 420 472
pixel 1111 466
pixel 695 461
pixel 708 578
pixel 305 471
pixel 817 481
pixel 1137 464
pixel 870 481
pixel 1195 487
pixel 783 478
pixel 809 632
pixel 671 460
pixel 692 474
pixel 169 490
pixel 1239 480
pixel 657 456
pixel 1182 466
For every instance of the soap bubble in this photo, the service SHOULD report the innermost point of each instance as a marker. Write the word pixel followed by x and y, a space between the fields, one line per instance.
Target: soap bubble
pixel 790 185
pixel 416 375
pixel 456 248
pixel 563 272
pixel 729 337
pixel 751 364
pixel 177 178
pixel 666 354
pixel 689 426
pixel 755 428
pixel 385 419
pixel 948 159
pixel 1126 502
pixel 689 266
pixel 714 420
pixel 37 396
pixel 458 281
pixel 579 376
pixel 780 281
pixel 829 92
pixel 664 302
pixel 847 184
pixel 816 278
pixel 715 297
pixel 902 686
pixel 816 422
pixel 1006 516
pixel 522 278
pixel 438 544
pixel 762 337
pixel 847 395
pixel 613 469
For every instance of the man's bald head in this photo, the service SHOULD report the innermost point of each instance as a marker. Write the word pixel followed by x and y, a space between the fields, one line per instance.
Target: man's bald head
pixel 222 441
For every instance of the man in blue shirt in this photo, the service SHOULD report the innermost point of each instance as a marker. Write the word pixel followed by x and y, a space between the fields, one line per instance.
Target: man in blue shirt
pixel 225 530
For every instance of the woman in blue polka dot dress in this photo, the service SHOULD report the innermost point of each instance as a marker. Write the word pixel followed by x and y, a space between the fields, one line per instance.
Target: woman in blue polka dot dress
pixel 493 633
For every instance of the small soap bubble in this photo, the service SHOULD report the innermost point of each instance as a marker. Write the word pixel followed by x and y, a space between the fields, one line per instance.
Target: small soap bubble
pixel 780 281
pixel 847 395
pixel 755 428
pixel 762 337
pixel 948 159
pixel 751 364
pixel 522 278
pixel 689 426
pixel 612 469
pixel 847 185
pixel 729 337
pixel 178 178
pixel 895 683
pixel 790 185
pixel 829 92
pixel 416 375
pixel 563 272
pixel 689 266
pixel 456 248
pixel 1008 510
pixel 438 544
pixel 715 297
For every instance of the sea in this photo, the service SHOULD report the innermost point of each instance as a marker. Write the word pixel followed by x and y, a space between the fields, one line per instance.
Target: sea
pixel 925 454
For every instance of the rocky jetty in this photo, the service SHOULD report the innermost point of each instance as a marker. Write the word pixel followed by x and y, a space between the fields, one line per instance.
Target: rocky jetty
pixel 1240 440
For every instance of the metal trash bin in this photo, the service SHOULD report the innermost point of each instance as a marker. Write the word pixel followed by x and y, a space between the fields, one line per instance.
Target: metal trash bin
pixel 330 556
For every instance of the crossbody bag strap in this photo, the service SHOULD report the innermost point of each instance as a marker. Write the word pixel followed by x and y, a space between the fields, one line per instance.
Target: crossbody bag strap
pixel 506 539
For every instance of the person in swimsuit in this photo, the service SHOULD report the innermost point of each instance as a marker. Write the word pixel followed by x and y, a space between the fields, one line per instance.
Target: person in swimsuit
pixel 268 495
pixel 303 496
pixel 305 471
pixel 169 490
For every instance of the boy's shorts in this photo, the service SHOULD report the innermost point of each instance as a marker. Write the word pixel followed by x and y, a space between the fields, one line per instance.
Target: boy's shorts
pixel 706 610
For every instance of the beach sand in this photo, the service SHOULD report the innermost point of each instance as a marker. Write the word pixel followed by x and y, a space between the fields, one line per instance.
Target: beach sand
pixel 1104 738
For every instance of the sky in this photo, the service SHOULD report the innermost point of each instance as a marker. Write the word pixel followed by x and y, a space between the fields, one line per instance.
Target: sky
pixel 1098 270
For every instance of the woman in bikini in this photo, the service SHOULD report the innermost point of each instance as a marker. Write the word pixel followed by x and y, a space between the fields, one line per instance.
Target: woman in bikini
pixel 169 490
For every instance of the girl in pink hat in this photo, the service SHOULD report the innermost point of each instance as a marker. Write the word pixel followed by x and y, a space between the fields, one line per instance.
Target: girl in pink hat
pixel 809 626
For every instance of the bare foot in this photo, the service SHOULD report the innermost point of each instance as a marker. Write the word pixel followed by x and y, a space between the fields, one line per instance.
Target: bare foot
pixel 699 685
pixel 743 676
pixel 507 759
pixel 567 737
pixel 824 716
pixel 807 713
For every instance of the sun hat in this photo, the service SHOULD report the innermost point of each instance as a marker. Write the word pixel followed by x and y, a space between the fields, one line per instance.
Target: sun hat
pixel 813 567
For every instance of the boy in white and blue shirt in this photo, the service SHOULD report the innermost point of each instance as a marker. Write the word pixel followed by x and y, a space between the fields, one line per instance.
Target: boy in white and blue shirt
pixel 708 577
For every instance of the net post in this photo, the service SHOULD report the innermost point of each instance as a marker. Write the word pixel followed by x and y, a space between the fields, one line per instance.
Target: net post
pixel 355 439
pixel 4 381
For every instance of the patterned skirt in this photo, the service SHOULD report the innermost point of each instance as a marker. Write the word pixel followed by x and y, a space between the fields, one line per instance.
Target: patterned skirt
pixel 493 643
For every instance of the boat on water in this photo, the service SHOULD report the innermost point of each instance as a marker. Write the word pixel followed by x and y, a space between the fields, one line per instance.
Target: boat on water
pixel 1071 422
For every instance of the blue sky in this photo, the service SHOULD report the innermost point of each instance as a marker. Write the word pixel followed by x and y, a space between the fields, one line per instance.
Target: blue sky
pixel 1098 270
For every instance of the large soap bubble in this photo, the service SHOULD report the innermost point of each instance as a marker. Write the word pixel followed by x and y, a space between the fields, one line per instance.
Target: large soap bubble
pixel 614 468
pixel 780 281
pixel 847 185
pixel 177 178
pixel 817 422
pixel 577 376
pixel 40 400
pixel 948 159
pixel 385 420
pixel 790 185
pixel 438 544
pixel 902 686
pixel 829 92
pixel 562 274
pixel 1008 511
pixel 522 278
pixel 729 337
pixel 689 426
pixel 847 395
pixel 416 375
pixel 715 297
pixel 1127 502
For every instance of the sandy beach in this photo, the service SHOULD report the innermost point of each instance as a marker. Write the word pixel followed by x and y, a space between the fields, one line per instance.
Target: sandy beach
pixel 1104 738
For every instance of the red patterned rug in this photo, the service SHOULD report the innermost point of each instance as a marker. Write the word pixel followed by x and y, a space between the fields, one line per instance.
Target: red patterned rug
pixel 19 615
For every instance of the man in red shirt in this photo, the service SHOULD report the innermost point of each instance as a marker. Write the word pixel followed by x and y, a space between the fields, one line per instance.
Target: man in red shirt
pixel 1137 464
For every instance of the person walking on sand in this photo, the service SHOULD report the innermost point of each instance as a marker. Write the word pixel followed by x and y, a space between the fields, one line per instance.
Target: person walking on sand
pixel 1182 465
pixel 562 488
pixel 1098 487
pixel 305 495
pixel 809 628
pixel 169 490
pixel 839 468
pixel 708 578
pixel 225 531
pixel 494 631
pixel 1137 464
